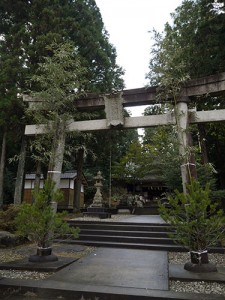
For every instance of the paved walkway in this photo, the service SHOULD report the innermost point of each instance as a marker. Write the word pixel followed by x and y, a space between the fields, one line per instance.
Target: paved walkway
pixel 155 219
pixel 110 273
pixel 115 267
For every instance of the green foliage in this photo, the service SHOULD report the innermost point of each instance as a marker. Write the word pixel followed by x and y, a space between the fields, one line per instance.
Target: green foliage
pixel 58 82
pixel 163 146
pixel 191 47
pixel 26 28
pixel 108 149
pixel 158 156
pixel 39 222
pixel 167 69
pixel 133 164
pixel 216 146
pixel 218 196
pixel 7 218
pixel 47 194
pixel 198 221
pixel 165 154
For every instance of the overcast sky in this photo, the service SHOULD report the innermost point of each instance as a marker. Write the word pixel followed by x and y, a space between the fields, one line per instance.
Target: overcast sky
pixel 129 23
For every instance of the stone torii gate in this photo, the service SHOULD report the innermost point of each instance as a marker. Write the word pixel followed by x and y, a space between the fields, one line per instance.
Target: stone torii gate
pixel 115 102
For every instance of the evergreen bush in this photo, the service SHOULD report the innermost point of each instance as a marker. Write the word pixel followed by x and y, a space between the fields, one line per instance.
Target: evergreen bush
pixel 7 218
pixel 198 221
pixel 39 222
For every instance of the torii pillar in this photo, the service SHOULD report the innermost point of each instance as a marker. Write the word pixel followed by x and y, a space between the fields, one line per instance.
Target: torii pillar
pixel 188 166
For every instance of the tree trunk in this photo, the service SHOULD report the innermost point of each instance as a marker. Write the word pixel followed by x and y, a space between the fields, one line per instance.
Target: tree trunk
pixel 181 113
pixel 202 139
pixel 37 179
pixel 110 176
pixel 220 163
pixel 191 159
pixel 188 167
pixel 77 189
pixel 20 173
pixel 55 165
pixel 2 167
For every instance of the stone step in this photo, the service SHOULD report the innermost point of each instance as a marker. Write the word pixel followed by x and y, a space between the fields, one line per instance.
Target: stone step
pixel 127 239
pixel 121 226
pixel 134 245
pixel 152 236
pixel 125 233
pixel 141 246
pixel 52 290
pixel 126 228
pixel 151 210
pixel 124 223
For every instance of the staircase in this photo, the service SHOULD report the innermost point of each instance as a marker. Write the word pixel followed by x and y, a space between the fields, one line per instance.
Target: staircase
pixel 124 235
pixel 146 236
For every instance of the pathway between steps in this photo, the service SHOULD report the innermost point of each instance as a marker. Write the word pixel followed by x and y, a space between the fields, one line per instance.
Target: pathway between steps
pixel 155 219
pixel 115 267
pixel 108 273
pixel 119 268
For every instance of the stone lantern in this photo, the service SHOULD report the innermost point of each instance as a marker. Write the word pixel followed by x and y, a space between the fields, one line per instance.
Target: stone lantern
pixel 97 209
pixel 98 200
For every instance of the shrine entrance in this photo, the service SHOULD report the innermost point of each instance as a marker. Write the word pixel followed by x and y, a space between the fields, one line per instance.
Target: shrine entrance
pixel 115 102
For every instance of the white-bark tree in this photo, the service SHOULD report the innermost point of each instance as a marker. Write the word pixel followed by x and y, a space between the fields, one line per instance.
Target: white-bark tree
pixel 20 173
pixel 59 82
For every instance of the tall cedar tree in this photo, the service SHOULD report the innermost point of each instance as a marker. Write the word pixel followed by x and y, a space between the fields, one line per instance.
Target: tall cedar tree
pixel 27 27
pixel 192 47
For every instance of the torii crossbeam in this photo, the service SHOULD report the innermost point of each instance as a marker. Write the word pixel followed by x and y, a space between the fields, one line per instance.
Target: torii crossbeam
pixel 213 85
pixel 143 96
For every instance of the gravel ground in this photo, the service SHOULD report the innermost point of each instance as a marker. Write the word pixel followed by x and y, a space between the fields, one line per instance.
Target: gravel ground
pixel 23 251
pixel 20 252
pixel 182 257
pixel 200 286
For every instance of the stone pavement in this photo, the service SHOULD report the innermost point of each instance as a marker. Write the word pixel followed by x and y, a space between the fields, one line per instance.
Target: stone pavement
pixel 117 267
pixel 109 274
pixel 154 219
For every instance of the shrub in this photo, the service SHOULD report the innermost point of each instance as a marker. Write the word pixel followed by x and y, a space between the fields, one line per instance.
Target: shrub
pixel 7 218
pixel 198 221
pixel 39 222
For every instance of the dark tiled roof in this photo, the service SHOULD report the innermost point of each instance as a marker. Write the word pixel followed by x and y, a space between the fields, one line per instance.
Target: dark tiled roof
pixel 150 178
pixel 69 175
pixel 66 175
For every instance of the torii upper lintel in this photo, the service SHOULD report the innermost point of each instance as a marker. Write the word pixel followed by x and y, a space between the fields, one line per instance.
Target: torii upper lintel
pixel 147 95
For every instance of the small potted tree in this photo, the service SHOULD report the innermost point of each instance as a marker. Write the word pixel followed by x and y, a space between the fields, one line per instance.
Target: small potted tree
pixel 198 222
pixel 40 224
